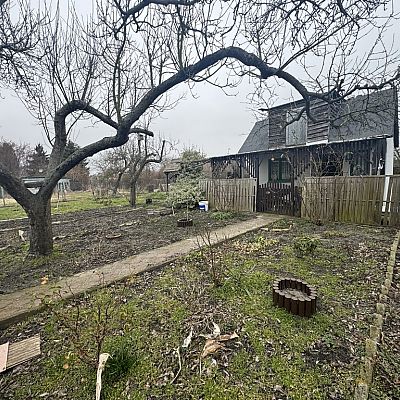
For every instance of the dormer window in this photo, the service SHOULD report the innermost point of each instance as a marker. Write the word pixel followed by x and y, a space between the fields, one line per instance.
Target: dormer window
pixel 296 132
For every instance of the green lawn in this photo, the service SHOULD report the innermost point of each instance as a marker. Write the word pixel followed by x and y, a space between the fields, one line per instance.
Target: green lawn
pixel 78 201
pixel 275 353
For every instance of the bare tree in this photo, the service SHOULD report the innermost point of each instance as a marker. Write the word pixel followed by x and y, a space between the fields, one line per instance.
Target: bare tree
pixel 145 154
pixel 130 160
pixel 17 41
pixel 125 63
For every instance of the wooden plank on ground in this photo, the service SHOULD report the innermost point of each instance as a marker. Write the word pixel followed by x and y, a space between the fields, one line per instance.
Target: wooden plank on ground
pixel 19 352
pixel 23 351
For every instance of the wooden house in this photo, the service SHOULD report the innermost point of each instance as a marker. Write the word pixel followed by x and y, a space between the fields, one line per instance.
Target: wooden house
pixel 349 138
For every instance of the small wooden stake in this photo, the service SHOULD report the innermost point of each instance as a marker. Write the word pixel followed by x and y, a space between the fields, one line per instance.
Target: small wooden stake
pixel 102 363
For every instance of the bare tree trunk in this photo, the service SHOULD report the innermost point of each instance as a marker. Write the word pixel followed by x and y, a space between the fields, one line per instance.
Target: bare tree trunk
pixel 41 238
pixel 132 198
pixel 117 183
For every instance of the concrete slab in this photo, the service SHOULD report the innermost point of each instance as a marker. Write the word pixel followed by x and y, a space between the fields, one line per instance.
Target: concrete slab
pixel 16 306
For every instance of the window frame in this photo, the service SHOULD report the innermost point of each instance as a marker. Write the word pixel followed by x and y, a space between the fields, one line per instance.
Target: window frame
pixel 301 123
pixel 280 162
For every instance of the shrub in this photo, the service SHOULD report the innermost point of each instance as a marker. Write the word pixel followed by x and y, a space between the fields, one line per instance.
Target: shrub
pixel 305 245
pixel 185 192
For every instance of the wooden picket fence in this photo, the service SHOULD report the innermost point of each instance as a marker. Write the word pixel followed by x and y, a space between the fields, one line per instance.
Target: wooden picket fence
pixel 359 199
pixel 230 194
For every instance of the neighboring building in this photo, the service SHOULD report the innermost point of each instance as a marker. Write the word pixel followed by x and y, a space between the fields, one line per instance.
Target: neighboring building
pixel 353 137
pixel 173 169
pixel 33 183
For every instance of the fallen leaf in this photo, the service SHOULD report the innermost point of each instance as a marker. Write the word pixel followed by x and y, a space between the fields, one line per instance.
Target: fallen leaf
pixel 224 338
pixel 44 280
pixel 59 237
pixel 187 341
pixel 21 235
pixel 217 330
pixel 211 347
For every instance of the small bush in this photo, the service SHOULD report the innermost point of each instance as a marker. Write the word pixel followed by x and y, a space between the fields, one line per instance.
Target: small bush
pixel 305 246
pixel 185 192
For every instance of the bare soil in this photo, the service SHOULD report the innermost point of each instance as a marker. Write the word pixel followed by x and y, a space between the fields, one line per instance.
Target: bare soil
pixel 87 239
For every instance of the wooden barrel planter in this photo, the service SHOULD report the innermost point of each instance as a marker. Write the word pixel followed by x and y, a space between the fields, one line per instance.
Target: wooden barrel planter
pixel 295 296
pixel 184 222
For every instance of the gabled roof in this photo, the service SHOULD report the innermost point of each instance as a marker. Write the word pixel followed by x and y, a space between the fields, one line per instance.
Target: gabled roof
pixel 173 166
pixel 367 116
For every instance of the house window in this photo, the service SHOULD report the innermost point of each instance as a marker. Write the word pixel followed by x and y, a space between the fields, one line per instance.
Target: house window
pixel 279 170
pixel 296 132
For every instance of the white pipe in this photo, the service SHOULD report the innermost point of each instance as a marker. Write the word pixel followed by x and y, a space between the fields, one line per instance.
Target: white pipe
pixel 389 156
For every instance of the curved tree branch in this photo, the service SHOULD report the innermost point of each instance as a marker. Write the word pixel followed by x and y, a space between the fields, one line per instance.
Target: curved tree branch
pixel 13 185
pixel 191 71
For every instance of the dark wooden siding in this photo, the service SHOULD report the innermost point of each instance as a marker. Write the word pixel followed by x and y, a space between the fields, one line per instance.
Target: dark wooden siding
pixel 277 131
pixel 235 166
pixel 319 129
pixel 316 130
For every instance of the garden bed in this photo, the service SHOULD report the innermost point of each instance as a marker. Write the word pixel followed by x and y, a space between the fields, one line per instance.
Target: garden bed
pixel 88 239
pixel 238 344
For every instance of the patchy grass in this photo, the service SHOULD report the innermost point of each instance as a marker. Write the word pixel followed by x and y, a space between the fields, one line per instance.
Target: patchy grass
pixel 276 354
pixel 80 201
pixel 30 268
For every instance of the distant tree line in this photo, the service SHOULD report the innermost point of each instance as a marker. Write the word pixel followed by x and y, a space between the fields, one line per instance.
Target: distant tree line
pixel 24 161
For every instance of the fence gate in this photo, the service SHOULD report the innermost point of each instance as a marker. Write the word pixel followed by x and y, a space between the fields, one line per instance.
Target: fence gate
pixel 279 198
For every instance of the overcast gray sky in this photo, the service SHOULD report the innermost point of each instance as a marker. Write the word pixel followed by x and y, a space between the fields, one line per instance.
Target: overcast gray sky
pixel 212 122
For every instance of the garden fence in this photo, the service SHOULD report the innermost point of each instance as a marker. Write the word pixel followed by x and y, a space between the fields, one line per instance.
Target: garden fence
pixel 230 194
pixel 361 199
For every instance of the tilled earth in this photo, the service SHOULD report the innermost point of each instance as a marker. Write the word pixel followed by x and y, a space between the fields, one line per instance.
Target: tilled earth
pixel 84 240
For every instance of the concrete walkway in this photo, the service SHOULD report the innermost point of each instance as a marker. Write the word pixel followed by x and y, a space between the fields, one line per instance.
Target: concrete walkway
pixel 16 306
